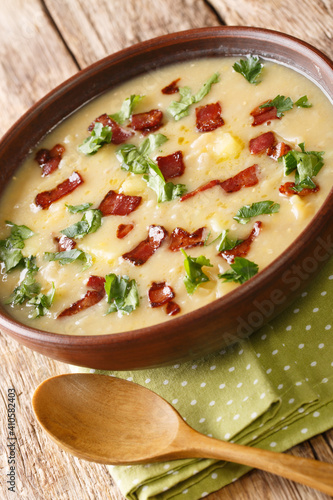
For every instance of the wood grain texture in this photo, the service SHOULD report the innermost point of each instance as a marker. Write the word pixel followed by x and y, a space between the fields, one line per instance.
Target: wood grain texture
pixel 41 44
pixel 309 20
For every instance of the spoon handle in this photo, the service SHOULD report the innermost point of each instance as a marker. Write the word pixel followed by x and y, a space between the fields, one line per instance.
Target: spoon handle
pixel 313 473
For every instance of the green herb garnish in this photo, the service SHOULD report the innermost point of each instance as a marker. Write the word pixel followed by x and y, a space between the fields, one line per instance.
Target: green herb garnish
pixel 90 222
pixel 227 243
pixel 179 109
pixel 69 256
pixel 249 68
pixel 194 275
pixel 165 191
pixel 303 102
pixel 245 213
pixel 99 136
pixel 41 303
pixel 281 103
pixel 306 165
pixel 10 248
pixel 122 293
pixel 74 209
pixel 135 158
pixel 241 271
pixel 126 109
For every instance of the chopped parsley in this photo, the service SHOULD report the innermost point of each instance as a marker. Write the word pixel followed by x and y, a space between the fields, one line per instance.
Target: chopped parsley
pixel 90 222
pixel 303 102
pixel 249 68
pixel 165 191
pixel 241 271
pixel 69 256
pixel 245 213
pixel 10 248
pixel 306 165
pixel 194 274
pixel 281 103
pixel 74 209
pixel 122 293
pixel 179 109
pixel 227 243
pixel 99 136
pixel 126 109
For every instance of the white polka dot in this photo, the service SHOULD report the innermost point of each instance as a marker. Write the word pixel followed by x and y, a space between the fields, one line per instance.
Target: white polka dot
pixel 288 328
pixel 304 431
pixel 296 311
pixel 315 310
pixel 316 414
pixel 209 435
pixel 280 386
pixel 147 380
pixel 218 419
pixel 239 385
pixel 136 481
pixel 130 379
pixel 214 475
pixel 254 414
pixel 286 368
pixel 248 366
pixel 254 437
pixel 201 421
pixel 291 401
pixel 222 386
pixel 229 402
pixel 236 417
pixel 272 444
pixel 320 346
pixel 269 371
pixel 275 352
pixel 328 327
pixel 185 491
pixel 212 367
pixel 212 403
pixel 194 367
pixel 262 395
pixel 330 277
pixel 241 352
pixel 246 398
pixel 166 466
pixel 184 383
pixel 231 369
pixel 324 381
pixel 166 382
pixel 174 401
pixel 263 337
pixel 323 293
pixel 308 327
pixel 176 366
pixel 258 354
pixel 193 402
pixel 227 435
pixel 203 384
pixel 204 494
pixel 300 346
pixel 313 363
pixel 298 383
pixel 300 410
pixel 255 381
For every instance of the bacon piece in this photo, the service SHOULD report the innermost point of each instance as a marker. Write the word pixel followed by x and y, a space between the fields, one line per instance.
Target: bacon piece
pixel 209 117
pixel 245 178
pixel 159 294
pixel 96 283
pixel 119 134
pixel 119 204
pixel 46 198
pixel 64 243
pixel 287 190
pixel 261 143
pixel 242 248
pixel 172 308
pixel 262 115
pixel 278 150
pixel 146 248
pixel 123 230
pixel 182 239
pixel 172 88
pixel 91 298
pixel 49 159
pixel 171 165
pixel 147 122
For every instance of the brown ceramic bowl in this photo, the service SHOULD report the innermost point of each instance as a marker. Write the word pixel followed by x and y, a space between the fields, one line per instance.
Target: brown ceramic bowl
pixel 240 312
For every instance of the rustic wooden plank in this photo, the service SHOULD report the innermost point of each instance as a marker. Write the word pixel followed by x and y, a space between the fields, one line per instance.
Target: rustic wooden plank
pixel 309 20
pixel 111 26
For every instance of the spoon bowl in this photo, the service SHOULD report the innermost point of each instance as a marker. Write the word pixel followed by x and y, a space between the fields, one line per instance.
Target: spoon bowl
pixel 113 421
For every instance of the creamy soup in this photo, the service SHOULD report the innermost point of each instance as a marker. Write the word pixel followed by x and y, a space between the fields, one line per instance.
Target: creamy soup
pixel 220 159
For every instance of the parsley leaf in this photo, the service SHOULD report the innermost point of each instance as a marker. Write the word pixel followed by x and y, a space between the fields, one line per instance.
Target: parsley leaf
pixel 41 303
pixel 122 293
pixel 303 102
pixel 227 243
pixel 10 248
pixel 90 222
pixel 126 109
pixel 179 109
pixel 166 191
pixel 135 159
pixel 99 135
pixel 74 209
pixel 249 68
pixel 281 103
pixel 307 164
pixel 194 274
pixel 245 213
pixel 69 256
pixel 241 271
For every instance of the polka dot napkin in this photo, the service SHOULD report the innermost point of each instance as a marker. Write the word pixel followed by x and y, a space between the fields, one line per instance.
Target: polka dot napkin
pixel 273 391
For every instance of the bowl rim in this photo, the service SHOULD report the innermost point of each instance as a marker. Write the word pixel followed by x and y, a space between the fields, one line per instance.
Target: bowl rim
pixel 242 292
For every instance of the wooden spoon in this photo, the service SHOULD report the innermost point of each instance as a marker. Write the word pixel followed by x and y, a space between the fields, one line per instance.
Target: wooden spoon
pixel 112 421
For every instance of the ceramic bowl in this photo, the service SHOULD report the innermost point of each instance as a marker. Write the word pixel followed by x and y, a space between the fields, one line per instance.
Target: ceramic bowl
pixel 243 310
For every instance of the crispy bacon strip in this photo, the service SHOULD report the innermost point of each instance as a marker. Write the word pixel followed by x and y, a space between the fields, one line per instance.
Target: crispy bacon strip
pixel 261 143
pixel 287 190
pixel 172 308
pixel 64 243
pixel 49 159
pixel 147 122
pixel 159 294
pixel 171 165
pixel 172 88
pixel 209 117
pixel 245 178
pixel 96 283
pixel 46 198
pixel 180 238
pixel 91 298
pixel 119 134
pixel 119 204
pixel 278 150
pixel 262 115
pixel 243 248
pixel 146 248
pixel 123 230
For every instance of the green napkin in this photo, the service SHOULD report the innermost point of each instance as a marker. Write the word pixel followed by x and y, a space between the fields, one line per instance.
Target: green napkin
pixel 273 391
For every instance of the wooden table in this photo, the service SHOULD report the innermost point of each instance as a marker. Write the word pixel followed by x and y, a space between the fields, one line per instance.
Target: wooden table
pixel 42 43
